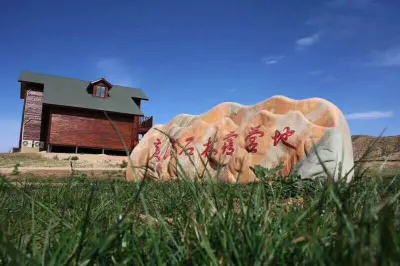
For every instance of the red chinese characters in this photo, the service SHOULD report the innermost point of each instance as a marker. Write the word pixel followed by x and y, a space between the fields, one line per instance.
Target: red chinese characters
pixel 168 151
pixel 255 132
pixel 174 147
pixel 186 149
pixel 156 154
pixel 283 137
pixel 228 145
pixel 208 146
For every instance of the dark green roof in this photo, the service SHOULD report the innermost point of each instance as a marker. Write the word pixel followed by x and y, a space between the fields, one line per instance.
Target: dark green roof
pixel 73 92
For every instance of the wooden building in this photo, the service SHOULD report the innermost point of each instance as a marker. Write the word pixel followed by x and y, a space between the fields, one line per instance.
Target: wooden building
pixel 68 115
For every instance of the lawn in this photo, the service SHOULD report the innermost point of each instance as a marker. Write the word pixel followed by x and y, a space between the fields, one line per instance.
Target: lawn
pixel 278 221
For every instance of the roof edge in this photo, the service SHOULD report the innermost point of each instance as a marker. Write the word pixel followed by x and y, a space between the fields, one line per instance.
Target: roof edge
pixel 58 76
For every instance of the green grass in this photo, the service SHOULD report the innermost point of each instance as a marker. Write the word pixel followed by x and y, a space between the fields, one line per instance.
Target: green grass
pixel 278 221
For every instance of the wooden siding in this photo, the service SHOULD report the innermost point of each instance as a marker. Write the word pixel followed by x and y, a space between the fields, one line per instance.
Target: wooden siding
pixel 32 115
pixel 45 123
pixel 91 129
pixel 135 128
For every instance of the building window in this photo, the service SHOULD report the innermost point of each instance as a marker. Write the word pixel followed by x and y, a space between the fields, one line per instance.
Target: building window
pixel 100 91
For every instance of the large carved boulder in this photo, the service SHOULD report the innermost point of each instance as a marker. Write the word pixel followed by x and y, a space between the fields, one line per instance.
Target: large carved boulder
pixel 232 138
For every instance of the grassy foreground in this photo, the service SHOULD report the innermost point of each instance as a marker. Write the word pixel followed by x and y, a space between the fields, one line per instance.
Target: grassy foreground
pixel 279 221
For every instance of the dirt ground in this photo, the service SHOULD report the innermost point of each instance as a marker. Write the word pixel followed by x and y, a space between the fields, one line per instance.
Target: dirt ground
pixel 381 168
pixel 59 164
pixel 45 160
pixel 383 148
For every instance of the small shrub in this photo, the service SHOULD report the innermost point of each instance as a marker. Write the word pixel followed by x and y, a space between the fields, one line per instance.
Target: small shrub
pixel 289 186
pixel 16 169
pixel 55 157
pixel 124 164
pixel 79 176
pixel 268 174
pixel 74 158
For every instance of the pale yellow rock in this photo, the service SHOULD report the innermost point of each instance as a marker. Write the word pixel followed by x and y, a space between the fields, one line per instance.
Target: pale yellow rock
pixel 277 130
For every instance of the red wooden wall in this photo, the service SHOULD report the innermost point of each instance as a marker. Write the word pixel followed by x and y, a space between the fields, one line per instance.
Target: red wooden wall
pixel 91 129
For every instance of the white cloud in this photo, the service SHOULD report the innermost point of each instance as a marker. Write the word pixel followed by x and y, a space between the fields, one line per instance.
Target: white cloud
pixel 340 26
pixel 351 4
pixel 233 90
pixel 369 115
pixel 387 58
pixel 307 41
pixel 270 60
pixel 115 71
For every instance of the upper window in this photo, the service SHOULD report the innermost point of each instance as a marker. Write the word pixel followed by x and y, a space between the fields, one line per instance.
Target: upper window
pixel 99 88
pixel 100 91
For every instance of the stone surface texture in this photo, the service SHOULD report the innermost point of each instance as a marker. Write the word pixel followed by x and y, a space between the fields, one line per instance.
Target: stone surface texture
pixel 232 137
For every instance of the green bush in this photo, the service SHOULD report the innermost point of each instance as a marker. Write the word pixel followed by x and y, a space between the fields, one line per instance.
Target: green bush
pixel 15 170
pixel 124 164
pixel 74 158
pixel 79 176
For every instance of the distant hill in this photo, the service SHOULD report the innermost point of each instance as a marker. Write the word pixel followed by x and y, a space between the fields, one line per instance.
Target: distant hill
pixel 385 148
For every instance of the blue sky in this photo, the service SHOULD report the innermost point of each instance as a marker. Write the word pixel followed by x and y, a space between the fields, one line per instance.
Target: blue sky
pixel 189 56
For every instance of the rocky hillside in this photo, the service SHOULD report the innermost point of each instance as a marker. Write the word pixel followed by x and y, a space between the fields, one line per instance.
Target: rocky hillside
pixel 385 148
